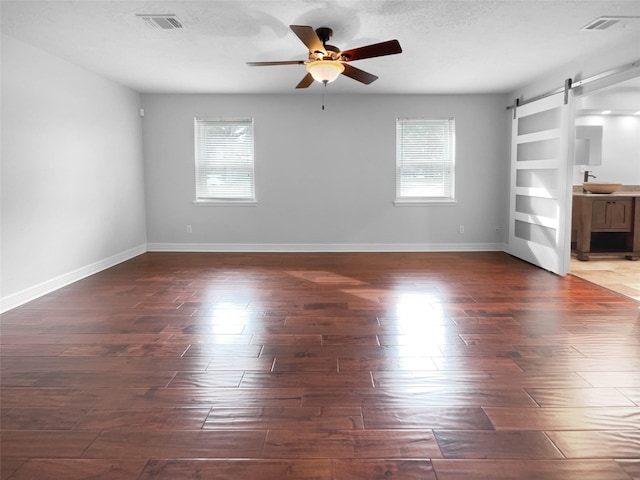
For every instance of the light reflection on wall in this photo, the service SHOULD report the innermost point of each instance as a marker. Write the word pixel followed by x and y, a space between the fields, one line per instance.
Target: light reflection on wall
pixel 422 320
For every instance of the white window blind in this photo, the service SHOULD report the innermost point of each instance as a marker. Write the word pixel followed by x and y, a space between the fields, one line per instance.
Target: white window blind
pixel 425 156
pixel 224 159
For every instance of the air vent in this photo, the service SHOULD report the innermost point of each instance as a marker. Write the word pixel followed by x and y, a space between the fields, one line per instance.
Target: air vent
pixel 606 23
pixel 165 22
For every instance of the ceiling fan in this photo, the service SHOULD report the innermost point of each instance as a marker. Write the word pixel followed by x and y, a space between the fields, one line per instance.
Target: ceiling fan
pixel 327 62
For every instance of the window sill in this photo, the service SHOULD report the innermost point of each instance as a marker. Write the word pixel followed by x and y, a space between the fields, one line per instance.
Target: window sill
pixel 423 201
pixel 225 203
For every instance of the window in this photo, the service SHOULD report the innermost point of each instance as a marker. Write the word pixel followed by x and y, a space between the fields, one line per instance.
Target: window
pixel 425 158
pixel 224 160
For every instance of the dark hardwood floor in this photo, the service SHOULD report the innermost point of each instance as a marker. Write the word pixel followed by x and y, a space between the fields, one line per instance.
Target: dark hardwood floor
pixel 446 366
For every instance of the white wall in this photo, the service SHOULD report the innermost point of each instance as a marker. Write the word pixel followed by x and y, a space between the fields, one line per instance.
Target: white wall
pixel 597 62
pixel 620 133
pixel 325 179
pixel 620 149
pixel 72 173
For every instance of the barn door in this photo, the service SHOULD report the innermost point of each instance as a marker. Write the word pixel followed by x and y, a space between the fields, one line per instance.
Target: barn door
pixel 540 194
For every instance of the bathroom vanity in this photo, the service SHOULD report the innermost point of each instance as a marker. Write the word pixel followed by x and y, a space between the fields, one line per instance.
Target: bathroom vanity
pixel 606 224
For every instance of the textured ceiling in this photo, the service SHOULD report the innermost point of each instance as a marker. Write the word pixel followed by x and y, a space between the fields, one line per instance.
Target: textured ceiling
pixel 450 46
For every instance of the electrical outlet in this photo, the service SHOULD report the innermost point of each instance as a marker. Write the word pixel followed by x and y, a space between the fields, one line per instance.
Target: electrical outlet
pixel 461 229
pixel 189 229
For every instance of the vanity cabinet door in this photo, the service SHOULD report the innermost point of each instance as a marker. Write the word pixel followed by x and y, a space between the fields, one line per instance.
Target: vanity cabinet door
pixel 599 220
pixel 611 215
pixel 621 214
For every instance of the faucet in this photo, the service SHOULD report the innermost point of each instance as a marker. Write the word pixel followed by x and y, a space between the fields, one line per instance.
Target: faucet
pixel 587 175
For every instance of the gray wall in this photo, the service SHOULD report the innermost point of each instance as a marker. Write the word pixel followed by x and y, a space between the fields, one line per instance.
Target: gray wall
pixel 326 179
pixel 72 173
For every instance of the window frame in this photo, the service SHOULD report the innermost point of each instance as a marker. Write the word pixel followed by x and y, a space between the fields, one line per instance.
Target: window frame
pixel 212 200
pixel 449 163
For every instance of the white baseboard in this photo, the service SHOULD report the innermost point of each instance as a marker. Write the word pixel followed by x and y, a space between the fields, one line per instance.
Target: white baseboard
pixel 19 298
pixel 325 247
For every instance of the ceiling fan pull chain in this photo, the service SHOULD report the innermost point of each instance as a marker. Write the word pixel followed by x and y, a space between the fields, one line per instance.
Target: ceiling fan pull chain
pixel 324 89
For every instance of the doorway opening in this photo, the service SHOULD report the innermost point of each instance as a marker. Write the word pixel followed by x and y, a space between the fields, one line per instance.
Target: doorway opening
pixel 614 112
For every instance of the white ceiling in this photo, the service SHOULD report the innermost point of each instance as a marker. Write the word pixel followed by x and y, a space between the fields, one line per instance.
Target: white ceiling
pixel 449 46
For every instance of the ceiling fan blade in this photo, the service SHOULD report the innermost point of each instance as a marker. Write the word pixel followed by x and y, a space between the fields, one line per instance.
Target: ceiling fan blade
pixel 390 47
pixel 309 37
pixel 306 81
pixel 359 75
pixel 285 62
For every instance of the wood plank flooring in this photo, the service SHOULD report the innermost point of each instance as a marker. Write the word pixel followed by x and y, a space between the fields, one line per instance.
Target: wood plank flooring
pixel 345 366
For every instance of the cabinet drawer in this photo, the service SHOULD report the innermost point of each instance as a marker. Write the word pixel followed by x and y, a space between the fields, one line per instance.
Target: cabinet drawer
pixel 612 215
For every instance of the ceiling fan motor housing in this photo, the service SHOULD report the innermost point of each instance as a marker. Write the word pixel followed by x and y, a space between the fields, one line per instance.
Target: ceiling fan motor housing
pixel 331 52
pixel 324 34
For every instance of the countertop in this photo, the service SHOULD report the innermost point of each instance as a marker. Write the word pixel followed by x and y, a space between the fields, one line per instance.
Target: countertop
pixel 625 191
pixel 604 195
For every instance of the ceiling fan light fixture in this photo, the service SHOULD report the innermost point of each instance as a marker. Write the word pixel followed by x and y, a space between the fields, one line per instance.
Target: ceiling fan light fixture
pixel 325 62
pixel 325 71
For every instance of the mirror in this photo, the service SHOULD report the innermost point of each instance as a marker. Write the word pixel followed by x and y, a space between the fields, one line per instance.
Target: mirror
pixel 588 147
